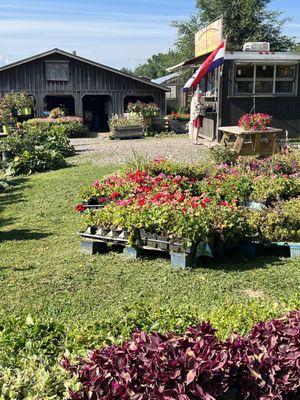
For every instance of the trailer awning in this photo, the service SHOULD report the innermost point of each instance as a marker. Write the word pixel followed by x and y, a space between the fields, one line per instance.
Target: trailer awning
pixel 192 62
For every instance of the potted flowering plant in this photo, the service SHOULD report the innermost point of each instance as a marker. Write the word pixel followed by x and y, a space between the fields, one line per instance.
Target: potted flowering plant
pixel 56 113
pixel 143 109
pixel 24 103
pixel 255 122
pixel 6 119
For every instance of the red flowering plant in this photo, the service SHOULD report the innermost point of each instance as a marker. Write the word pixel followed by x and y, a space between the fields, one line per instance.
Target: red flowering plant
pixel 181 216
pixel 254 122
pixel 178 116
pixel 133 184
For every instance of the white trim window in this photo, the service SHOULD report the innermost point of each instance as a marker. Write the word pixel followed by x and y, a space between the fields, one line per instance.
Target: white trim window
pixel 265 79
pixel 172 94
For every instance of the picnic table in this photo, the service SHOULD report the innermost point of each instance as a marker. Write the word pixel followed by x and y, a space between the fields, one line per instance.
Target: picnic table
pixel 262 142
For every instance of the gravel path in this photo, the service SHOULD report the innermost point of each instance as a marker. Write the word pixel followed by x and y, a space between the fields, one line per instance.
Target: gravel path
pixel 103 151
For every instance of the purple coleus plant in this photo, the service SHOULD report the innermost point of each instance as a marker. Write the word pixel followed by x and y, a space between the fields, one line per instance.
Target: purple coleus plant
pixel 264 365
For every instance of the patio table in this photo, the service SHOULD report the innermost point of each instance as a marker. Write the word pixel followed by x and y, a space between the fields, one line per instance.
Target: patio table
pixel 261 142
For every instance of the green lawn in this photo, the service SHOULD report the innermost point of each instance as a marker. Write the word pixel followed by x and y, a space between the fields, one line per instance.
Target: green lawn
pixel 43 273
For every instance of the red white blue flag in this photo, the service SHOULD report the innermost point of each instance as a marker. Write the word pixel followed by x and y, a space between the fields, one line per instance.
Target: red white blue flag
pixel 213 61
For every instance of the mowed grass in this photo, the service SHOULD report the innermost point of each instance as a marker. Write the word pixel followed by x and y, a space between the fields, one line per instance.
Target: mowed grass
pixel 43 273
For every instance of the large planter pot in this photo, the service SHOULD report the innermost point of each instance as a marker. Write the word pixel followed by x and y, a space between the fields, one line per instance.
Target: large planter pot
pixel 127 132
pixel 6 129
pixel 25 111
pixel 179 127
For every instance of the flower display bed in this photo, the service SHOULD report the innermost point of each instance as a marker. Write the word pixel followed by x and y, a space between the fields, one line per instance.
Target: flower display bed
pixel 195 210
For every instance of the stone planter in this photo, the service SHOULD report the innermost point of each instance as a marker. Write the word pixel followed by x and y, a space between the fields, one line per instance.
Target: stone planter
pixel 127 132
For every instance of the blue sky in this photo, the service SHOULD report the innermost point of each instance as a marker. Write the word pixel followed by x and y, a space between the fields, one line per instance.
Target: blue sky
pixel 114 32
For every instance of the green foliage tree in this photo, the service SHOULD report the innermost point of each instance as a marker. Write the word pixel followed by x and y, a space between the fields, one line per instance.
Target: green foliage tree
pixel 244 21
pixel 155 66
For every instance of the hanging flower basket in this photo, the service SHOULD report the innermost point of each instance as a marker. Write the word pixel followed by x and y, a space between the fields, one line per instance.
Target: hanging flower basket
pixel 255 122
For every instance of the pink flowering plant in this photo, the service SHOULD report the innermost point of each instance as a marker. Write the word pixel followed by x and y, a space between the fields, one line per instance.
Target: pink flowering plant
pixel 254 122
pixel 143 109
pixel 187 202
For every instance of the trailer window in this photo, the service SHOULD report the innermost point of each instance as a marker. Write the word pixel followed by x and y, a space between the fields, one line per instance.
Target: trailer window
pixel 264 79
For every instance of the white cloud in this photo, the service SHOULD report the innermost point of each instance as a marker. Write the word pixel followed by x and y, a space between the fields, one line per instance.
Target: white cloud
pixel 118 35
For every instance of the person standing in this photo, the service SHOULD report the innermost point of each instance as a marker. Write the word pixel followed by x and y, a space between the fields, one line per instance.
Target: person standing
pixel 195 123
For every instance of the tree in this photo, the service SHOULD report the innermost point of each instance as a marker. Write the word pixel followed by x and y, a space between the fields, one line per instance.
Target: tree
pixel 126 70
pixel 155 66
pixel 244 21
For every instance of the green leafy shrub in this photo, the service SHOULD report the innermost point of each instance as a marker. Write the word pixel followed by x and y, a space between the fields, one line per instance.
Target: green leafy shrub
pixel 273 188
pixel 168 167
pixel 279 223
pixel 223 155
pixel 36 149
pixel 71 126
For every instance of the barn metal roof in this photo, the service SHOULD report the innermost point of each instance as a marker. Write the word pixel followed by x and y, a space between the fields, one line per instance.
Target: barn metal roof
pixel 85 60
pixel 166 78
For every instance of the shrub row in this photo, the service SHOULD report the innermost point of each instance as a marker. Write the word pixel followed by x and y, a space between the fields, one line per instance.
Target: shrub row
pixel 38 148
pixel 265 364
pixel 72 126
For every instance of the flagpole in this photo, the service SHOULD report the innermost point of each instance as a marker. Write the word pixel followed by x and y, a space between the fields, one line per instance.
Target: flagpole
pixel 220 94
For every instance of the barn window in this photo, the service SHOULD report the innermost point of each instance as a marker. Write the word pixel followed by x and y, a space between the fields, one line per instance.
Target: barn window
pixel 264 79
pixel 172 93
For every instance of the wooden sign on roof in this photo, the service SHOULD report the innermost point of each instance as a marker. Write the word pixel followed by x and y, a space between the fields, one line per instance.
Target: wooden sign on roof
pixel 208 38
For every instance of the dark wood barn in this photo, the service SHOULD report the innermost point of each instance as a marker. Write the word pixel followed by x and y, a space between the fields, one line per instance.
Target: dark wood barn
pixel 83 87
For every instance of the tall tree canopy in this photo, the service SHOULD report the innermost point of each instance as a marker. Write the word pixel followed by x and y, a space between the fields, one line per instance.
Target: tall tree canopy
pixel 244 21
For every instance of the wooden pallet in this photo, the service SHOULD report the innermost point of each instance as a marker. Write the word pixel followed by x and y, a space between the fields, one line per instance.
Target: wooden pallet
pixel 96 241
pixel 254 248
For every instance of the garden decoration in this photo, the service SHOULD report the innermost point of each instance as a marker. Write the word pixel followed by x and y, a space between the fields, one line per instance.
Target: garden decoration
pixel 192 211
pixel 255 122
pixel 126 128
pixel 25 104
